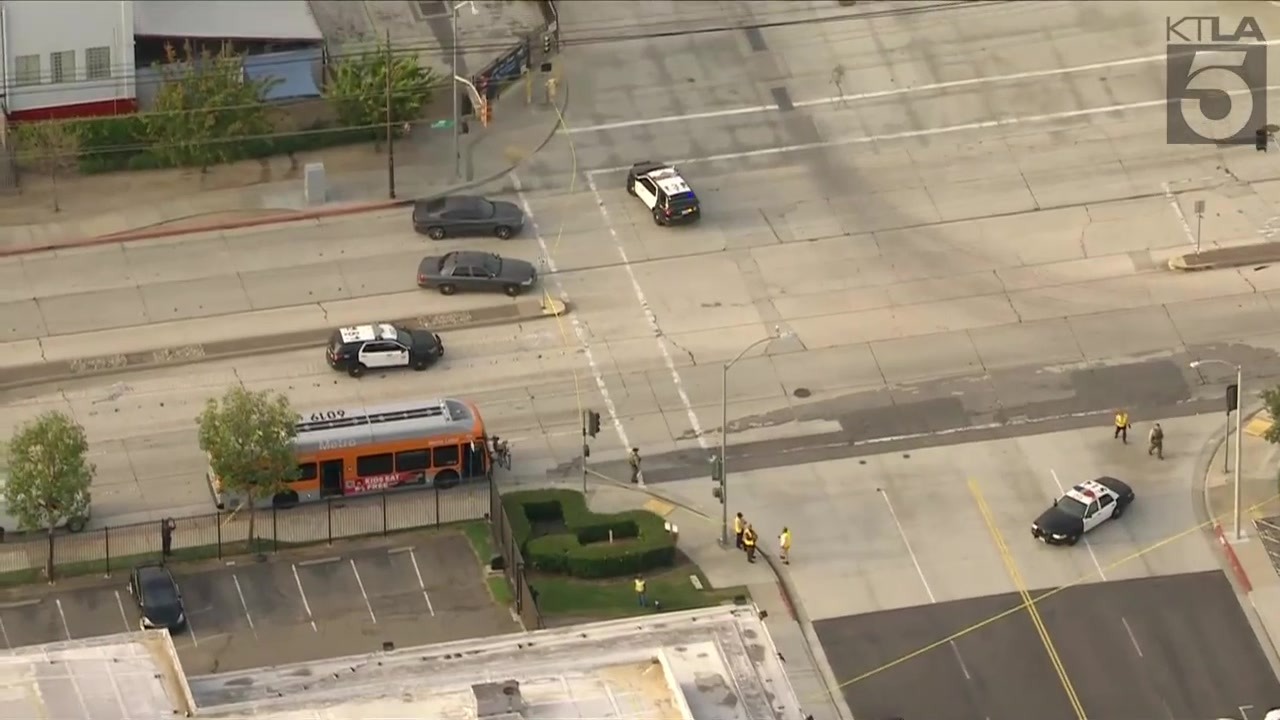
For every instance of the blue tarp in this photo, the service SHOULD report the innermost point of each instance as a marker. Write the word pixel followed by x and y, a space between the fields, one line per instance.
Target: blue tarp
pixel 291 71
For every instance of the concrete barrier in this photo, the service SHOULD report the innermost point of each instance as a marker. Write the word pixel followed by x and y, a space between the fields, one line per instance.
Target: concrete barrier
pixel 120 363
pixel 1238 256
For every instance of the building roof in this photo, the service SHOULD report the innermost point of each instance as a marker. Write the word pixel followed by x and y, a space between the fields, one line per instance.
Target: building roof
pixel 232 19
pixel 712 664
pixel 133 675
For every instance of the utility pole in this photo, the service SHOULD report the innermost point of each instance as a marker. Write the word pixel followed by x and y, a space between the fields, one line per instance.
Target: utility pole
pixel 590 428
pixel 391 139
pixel 453 90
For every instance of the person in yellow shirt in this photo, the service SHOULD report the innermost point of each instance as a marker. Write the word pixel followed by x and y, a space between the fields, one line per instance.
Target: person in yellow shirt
pixel 784 546
pixel 1122 426
pixel 641 585
pixel 749 542
pixel 739 524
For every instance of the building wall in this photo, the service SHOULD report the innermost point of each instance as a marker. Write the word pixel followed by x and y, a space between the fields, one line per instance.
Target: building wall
pixel 94 82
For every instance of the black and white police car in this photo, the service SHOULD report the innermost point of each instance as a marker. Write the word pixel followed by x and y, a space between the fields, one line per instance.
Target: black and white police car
pixel 1081 509
pixel 664 192
pixel 381 345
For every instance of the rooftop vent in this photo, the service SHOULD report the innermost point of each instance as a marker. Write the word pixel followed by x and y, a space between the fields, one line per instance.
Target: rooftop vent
pixel 498 700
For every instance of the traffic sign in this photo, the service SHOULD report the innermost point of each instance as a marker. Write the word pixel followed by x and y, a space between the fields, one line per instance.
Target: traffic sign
pixel 441 124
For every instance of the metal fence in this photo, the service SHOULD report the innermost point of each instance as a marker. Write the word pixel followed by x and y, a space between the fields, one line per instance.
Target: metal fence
pixel 227 533
pixel 514 568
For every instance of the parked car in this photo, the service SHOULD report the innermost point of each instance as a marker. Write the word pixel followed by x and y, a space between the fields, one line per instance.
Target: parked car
pixel 472 270
pixel 9 522
pixel 466 215
pixel 156 594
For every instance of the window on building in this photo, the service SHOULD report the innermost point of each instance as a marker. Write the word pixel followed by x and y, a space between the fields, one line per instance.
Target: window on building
pixel 62 66
pixel 97 63
pixel 26 70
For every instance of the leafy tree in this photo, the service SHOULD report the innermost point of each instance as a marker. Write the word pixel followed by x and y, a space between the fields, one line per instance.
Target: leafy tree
pixel 1271 401
pixel 51 145
pixel 205 102
pixel 49 475
pixel 359 93
pixel 249 438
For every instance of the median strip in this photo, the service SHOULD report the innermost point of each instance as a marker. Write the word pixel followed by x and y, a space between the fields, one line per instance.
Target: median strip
pixel 1229 257
pixel 104 365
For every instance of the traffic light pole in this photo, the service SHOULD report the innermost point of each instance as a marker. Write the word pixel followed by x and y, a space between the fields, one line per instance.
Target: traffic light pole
pixel 585 452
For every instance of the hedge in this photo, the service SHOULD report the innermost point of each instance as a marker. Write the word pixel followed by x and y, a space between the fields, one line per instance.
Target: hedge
pixel 584 551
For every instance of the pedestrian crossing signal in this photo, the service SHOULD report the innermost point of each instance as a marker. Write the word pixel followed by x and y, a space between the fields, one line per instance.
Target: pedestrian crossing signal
pixel 593 423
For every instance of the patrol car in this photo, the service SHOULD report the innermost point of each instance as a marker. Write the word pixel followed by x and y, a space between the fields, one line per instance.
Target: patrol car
pixel 664 192
pixel 1081 509
pixel 382 345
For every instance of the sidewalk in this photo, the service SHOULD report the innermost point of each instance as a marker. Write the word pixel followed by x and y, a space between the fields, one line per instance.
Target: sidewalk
pixel 769 583
pixel 1252 562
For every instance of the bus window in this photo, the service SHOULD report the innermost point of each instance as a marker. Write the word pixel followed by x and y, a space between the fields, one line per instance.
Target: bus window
pixel 306 471
pixel 411 460
pixel 445 456
pixel 368 465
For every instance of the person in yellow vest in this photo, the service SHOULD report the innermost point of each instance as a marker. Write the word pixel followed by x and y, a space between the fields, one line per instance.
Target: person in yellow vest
pixel 784 546
pixel 739 524
pixel 1122 426
pixel 749 542
pixel 640 591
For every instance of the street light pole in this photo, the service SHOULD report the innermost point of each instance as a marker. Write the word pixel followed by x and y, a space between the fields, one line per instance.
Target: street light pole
pixel 1235 500
pixel 453 90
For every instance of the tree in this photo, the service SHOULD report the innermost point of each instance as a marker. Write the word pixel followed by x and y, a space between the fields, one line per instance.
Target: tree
pixel 249 438
pixel 205 102
pixel 49 475
pixel 361 96
pixel 51 145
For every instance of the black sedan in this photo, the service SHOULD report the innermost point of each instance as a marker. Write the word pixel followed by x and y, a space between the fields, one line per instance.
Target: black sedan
pixel 472 270
pixel 466 215
pixel 1082 508
pixel 156 594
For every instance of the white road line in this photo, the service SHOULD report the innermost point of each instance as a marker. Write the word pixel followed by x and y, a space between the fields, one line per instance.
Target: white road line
pixel 191 632
pixel 1177 211
pixel 65 628
pixel 363 594
pixel 310 618
pixel 414 559
pixel 1088 545
pixel 244 605
pixel 652 319
pixel 124 617
pixel 908 134
pixel 963 668
pixel 579 332
pixel 1132 638
pixel 5 634
pixel 876 94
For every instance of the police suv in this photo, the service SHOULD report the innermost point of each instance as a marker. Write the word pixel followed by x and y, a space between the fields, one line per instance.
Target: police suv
pixel 1081 509
pixel 664 192
pixel 381 345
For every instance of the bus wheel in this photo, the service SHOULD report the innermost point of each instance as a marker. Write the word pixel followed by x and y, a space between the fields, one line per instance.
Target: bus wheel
pixel 286 499
pixel 446 479
pixel 76 525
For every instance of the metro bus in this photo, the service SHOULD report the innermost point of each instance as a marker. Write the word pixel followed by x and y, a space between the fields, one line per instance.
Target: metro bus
pixel 351 451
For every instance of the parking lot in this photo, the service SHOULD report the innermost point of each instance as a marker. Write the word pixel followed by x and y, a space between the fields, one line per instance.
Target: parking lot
pixel 324 602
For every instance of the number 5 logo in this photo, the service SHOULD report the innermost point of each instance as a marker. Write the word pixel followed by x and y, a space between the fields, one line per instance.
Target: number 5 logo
pixel 1219 100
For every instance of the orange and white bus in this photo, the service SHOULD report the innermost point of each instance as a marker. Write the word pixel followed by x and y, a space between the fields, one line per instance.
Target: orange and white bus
pixel 350 451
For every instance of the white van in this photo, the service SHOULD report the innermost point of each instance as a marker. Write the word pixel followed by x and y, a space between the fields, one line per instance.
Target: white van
pixel 9 523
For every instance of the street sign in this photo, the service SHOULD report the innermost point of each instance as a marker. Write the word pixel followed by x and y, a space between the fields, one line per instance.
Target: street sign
pixel 441 124
pixel 1199 207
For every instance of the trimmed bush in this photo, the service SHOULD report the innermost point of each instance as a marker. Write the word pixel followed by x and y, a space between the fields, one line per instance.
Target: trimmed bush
pixel 584 551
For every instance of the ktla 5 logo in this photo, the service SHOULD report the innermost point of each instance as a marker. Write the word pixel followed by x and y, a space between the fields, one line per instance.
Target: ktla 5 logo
pixel 1216 81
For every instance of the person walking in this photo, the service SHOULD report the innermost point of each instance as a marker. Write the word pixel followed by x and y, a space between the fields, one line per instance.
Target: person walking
pixel 1155 441
pixel 739 524
pixel 633 459
pixel 784 546
pixel 749 542
pixel 1122 426
pixel 640 586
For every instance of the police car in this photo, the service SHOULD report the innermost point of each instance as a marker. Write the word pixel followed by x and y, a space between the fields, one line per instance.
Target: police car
pixel 664 192
pixel 381 345
pixel 1081 509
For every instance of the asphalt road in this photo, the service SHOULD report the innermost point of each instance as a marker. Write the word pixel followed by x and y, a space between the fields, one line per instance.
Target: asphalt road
pixel 1173 647
pixel 301 606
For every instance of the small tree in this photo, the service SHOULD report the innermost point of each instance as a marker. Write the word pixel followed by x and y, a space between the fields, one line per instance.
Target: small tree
pixel 51 145
pixel 49 475
pixel 205 102
pixel 361 96
pixel 249 438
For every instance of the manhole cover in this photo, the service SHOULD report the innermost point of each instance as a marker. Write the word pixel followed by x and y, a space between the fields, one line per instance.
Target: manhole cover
pixel 801 392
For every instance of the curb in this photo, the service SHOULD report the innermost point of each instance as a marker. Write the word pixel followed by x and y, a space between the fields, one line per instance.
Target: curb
pixel 1207 454
pixel 1232 559
pixel 154 232
pixel 123 363
pixel 1238 256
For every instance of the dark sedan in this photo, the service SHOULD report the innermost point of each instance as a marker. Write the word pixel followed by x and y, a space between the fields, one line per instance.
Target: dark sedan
pixel 157 596
pixel 466 215
pixel 471 270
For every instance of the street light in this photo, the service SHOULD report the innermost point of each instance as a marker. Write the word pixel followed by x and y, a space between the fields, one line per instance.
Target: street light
pixel 778 334
pixel 453 86
pixel 1235 522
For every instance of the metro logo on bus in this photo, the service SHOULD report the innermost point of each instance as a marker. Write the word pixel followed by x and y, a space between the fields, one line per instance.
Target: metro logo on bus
pixel 377 483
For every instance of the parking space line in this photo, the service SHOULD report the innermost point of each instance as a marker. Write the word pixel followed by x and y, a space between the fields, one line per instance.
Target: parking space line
pixel 363 594
pixel 421 585
pixel 244 605
pixel 1132 638
pixel 19 604
pixel 123 616
pixel 1088 545
pixel 920 572
pixel 5 633
pixel 65 627
pixel 318 561
pixel 306 605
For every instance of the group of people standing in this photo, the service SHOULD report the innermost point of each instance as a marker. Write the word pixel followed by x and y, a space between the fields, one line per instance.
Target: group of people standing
pixel 746 539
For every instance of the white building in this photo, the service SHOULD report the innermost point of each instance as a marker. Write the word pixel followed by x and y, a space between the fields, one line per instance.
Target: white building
pixel 72 58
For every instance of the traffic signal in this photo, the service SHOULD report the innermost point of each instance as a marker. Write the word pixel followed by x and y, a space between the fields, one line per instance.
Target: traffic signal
pixel 548 41
pixel 1260 139
pixel 717 477
pixel 593 423
pixel 1233 397
pixel 486 112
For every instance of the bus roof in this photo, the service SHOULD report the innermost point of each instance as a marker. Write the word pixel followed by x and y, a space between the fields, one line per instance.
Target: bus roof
pixel 349 427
